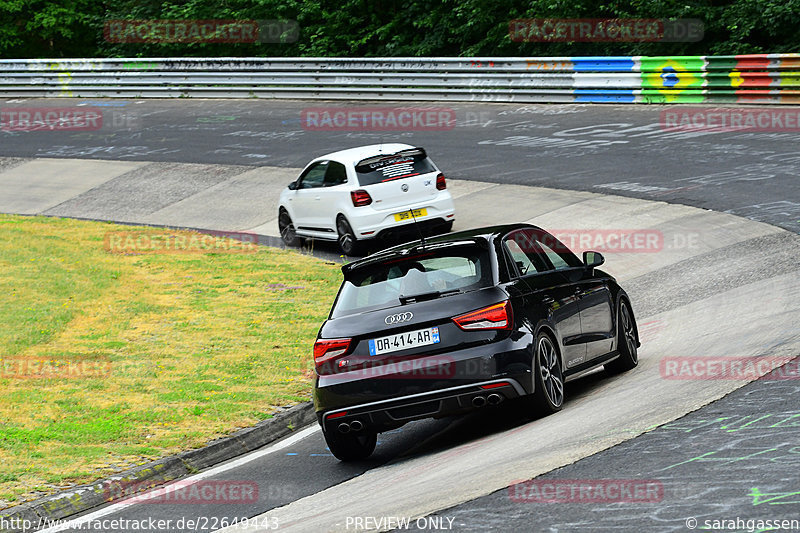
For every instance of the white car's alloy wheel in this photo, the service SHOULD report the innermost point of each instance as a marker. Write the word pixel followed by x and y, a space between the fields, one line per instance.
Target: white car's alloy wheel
pixel 347 239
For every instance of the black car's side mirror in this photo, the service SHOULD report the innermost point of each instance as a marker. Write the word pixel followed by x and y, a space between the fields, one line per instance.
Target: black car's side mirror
pixel 593 259
pixel 293 186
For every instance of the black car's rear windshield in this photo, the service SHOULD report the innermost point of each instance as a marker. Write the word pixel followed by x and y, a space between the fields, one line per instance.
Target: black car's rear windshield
pixel 421 276
pixel 398 166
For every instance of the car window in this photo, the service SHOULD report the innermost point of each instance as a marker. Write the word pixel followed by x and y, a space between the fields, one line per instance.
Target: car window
pixel 389 168
pixel 381 285
pixel 524 264
pixel 555 259
pixel 314 176
pixel 556 252
pixel 523 248
pixel 335 175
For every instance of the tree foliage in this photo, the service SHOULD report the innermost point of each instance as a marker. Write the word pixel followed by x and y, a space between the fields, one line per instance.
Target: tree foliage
pixel 372 28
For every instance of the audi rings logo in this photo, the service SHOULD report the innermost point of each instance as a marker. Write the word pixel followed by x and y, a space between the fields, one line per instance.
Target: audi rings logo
pixel 398 318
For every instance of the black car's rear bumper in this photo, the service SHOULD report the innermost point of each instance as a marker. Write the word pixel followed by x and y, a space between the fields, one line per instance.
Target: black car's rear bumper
pixel 428 387
pixel 387 414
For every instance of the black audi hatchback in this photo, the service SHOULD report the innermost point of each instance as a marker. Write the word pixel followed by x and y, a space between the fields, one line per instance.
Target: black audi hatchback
pixel 453 323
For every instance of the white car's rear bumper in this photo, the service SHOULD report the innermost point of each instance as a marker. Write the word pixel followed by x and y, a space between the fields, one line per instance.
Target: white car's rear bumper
pixel 369 223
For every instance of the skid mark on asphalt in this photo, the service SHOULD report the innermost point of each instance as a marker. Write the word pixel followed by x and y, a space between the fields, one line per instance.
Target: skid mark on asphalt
pixel 735 457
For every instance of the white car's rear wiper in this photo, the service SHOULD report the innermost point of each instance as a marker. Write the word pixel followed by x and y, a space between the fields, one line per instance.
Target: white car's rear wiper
pixel 426 296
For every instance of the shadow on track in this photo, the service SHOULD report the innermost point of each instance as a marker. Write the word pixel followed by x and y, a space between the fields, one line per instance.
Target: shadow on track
pixel 432 436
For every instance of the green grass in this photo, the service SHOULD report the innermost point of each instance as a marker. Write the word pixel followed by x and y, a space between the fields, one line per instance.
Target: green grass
pixel 196 345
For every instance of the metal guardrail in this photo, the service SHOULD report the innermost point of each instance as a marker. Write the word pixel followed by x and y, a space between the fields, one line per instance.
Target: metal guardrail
pixel 758 78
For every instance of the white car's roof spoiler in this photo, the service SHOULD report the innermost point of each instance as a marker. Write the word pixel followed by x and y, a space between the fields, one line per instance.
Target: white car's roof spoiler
pixel 377 161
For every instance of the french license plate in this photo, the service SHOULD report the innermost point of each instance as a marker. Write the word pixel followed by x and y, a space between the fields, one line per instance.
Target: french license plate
pixel 404 341
pixel 406 215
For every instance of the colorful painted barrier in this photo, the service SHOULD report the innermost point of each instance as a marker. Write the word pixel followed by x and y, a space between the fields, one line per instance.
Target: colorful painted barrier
pixel 755 78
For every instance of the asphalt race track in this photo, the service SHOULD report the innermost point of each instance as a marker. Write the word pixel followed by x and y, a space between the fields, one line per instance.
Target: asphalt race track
pixel 722 283
pixel 616 149
pixel 746 443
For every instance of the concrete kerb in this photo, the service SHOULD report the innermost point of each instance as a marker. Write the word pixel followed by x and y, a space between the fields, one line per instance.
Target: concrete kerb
pixel 78 500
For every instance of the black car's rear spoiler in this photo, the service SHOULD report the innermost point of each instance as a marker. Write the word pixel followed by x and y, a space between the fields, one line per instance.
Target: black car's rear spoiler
pixel 401 254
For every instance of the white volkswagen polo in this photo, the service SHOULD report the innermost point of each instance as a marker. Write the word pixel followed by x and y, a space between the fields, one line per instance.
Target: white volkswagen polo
pixel 366 193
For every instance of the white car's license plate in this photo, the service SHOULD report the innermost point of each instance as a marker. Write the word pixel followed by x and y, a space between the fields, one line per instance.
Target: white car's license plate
pixel 404 341
pixel 406 215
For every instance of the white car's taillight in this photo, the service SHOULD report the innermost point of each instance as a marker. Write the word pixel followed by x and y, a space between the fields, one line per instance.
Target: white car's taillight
pixel 360 198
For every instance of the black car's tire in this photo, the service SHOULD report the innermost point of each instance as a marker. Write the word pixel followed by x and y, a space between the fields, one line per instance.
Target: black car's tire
pixel 348 243
pixel 626 341
pixel 351 446
pixel 548 395
pixel 286 229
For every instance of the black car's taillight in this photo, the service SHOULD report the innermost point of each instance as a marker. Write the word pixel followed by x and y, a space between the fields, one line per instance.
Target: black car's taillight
pixel 360 198
pixel 441 183
pixel 496 316
pixel 328 350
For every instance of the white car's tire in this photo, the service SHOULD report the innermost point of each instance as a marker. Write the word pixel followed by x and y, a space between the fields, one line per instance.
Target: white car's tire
pixel 348 243
pixel 287 229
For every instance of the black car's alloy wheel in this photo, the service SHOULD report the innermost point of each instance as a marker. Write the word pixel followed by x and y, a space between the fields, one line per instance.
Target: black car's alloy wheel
pixel 348 243
pixel 548 396
pixel 626 341
pixel 351 446
pixel 286 228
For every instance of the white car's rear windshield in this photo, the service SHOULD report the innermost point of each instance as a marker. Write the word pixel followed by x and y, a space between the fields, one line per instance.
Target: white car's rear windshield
pixel 399 166
pixel 423 276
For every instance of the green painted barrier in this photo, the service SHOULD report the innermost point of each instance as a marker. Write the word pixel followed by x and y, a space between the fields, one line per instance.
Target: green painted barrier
pixel 672 63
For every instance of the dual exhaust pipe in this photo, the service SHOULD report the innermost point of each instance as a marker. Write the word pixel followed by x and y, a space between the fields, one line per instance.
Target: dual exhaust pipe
pixel 492 399
pixel 354 426
pixel 478 401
